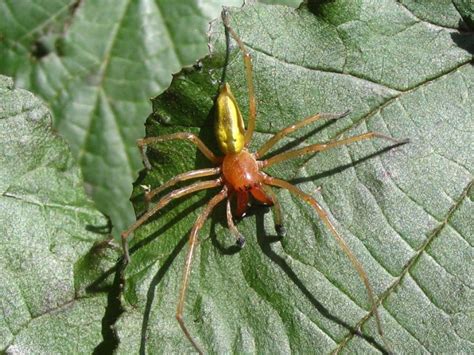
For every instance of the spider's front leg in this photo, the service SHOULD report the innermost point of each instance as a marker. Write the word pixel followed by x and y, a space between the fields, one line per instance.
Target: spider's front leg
pixel 191 137
pixel 325 146
pixel 291 128
pixel 248 76
pixel 144 142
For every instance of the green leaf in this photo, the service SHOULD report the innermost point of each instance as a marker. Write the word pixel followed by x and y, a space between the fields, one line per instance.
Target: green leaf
pixel 46 228
pixel 292 3
pixel 97 64
pixel 454 14
pixel 405 211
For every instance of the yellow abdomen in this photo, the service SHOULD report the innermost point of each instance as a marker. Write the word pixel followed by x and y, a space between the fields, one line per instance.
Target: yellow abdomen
pixel 229 126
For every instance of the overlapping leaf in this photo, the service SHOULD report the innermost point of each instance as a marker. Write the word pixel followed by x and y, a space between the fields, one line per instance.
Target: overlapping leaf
pixel 96 64
pixel 47 226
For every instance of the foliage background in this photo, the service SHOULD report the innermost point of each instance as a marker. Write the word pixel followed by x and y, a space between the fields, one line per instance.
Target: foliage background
pixel 402 67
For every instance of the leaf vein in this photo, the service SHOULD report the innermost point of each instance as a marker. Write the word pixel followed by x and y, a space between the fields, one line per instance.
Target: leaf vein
pixel 407 330
pixel 168 34
pixel 403 6
pixel 434 233
pixel 314 68
pixel 425 293
pixel 396 98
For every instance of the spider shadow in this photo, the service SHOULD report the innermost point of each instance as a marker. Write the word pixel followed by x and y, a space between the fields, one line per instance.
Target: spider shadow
pixel 114 308
pixel 464 36
pixel 104 229
pixel 341 168
pixel 464 40
pixel 150 297
pixel 264 241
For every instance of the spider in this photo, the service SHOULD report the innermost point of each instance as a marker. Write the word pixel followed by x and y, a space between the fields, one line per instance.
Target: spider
pixel 240 176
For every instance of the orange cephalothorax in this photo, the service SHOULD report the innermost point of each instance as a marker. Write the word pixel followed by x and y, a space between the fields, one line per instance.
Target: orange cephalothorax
pixel 241 175
pixel 240 171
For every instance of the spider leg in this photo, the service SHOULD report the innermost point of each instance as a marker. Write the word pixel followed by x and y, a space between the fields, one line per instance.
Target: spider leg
pixel 239 238
pixel 342 244
pixel 193 241
pixel 249 78
pixel 277 214
pixel 162 203
pixel 285 131
pixel 325 146
pixel 143 142
pixel 193 174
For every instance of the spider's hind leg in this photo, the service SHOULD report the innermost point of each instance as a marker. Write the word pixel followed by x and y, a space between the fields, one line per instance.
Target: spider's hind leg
pixel 193 242
pixel 340 241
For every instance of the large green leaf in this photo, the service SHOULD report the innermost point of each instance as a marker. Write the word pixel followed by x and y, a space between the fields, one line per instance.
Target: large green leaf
pixel 96 63
pixel 48 227
pixel 405 211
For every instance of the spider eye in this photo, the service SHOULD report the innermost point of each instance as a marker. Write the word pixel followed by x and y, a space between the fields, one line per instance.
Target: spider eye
pixel 229 126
